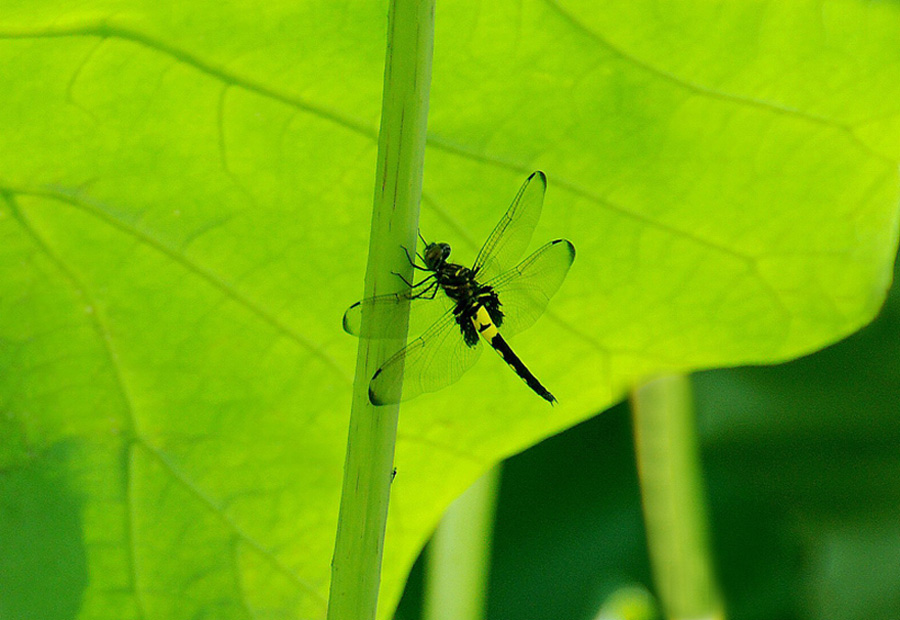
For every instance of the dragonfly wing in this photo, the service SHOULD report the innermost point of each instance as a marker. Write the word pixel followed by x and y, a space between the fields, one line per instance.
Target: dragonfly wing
pixel 427 304
pixel 512 234
pixel 433 361
pixel 525 290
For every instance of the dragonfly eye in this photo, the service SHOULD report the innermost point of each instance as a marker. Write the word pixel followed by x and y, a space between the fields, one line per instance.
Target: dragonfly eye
pixel 436 254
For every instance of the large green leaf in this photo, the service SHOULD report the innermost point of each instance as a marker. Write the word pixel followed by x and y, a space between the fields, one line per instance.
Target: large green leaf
pixel 801 475
pixel 186 190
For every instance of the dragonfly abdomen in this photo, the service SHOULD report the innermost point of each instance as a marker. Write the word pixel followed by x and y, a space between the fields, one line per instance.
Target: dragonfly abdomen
pixel 487 329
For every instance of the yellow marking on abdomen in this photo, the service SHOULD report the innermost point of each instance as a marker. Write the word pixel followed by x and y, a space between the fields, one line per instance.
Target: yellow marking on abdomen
pixel 484 324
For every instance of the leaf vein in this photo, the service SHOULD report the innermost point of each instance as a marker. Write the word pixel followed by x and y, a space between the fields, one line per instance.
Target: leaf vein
pixel 105 341
pixel 69 198
pixel 706 91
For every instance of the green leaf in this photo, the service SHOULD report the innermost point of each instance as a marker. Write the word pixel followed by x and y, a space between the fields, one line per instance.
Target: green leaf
pixel 185 198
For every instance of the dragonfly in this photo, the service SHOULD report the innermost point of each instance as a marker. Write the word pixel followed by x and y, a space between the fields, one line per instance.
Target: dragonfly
pixel 458 307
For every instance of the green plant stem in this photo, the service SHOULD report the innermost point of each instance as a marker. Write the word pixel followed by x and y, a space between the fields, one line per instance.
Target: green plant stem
pixel 674 511
pixel 356 566
pixel 459 554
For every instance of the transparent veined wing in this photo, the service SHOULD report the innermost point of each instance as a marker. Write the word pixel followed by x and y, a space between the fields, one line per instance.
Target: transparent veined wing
pixel 432 361
pixel 511 236
pixel 526 289
pixel 424 310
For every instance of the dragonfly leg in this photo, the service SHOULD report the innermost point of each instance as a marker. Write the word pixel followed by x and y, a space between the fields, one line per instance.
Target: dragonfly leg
pixel 424 280
pixel 412 262
pixel 417 284
pixel 433 288
pixel 405 281
pixel 408 257
pixel 424 293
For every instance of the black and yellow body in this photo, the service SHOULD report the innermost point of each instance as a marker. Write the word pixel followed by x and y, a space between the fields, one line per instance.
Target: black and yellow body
pixel 478 311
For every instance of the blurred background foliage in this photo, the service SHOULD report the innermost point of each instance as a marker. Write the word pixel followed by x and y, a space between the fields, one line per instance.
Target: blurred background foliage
pixel 802 474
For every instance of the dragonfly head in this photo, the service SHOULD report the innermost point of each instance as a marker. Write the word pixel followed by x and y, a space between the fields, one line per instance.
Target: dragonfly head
pixel 436 254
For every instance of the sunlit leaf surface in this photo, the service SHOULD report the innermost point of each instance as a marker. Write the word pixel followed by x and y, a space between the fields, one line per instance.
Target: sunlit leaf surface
pixel 185 197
